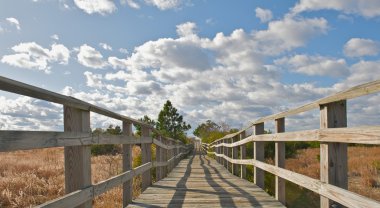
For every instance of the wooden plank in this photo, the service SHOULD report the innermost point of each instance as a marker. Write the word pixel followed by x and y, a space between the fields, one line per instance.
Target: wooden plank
pixel 258 154
pixel 26 140
pixel 158 159
pixel 78 197
pixel 280 161
pixel 235 167
pixel 342 196
pixel 77 158
pixel 333 155
pixel 39 93
pixel 127 164
pixel 243 155
pixel 146 157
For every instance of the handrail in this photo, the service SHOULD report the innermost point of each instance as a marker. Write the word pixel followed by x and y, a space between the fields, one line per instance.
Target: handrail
pixel 20 88
pixel 76 139
pixel 333 136
pixel 357 91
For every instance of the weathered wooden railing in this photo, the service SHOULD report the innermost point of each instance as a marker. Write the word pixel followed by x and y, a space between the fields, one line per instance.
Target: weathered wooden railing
pixel 76 140
pixel 332 135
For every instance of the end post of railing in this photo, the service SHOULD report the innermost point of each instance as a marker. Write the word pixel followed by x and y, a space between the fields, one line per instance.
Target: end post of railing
pixel 333 155
pixel 127 164
pixel 243 155
pixel 280 161
pixel 258 154
pixel 235 167
pixel 146 156
pixel 77 158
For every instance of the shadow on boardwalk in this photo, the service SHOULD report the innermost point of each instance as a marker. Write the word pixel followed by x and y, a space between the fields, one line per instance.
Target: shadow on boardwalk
pixel 199 181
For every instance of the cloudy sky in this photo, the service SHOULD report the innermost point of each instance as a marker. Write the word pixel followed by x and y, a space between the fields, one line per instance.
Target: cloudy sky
pixel 230 61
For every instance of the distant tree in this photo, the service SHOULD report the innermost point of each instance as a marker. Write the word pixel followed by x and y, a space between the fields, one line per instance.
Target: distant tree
pixel 211 131
pixel 144 119
pixel 170 123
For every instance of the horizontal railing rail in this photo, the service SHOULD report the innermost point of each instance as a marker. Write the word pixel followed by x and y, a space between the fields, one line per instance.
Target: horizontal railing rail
pixel 76 140
pixel 333 136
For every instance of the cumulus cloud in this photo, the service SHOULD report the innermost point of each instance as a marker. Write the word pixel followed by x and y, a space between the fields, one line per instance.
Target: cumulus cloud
pixel 265 15
pixel 130 3
pixel 90 57
pixel 165 4
pixel 357 47
pixel 54 37
pixel 289 33
pixel 123 50
pixel 186 29
pixel 30 55
pixel 13 21
pixel 364 8
pixel 102 7
pixel 105 46
pixel 93 80
pixel 315 65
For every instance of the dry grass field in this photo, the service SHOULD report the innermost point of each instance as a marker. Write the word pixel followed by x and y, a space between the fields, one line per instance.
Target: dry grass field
pixel 363 168
pixel 33 177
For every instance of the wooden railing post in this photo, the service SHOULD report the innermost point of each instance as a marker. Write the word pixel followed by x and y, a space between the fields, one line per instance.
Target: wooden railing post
pixel 165 158
pixel 280 161
pixel 127 164
pixel 77 158
pixel 243 169
pixel 229 154
pixel 333 155
pixel 159 155
pixel 235 167
pixel 225 153
pixel 146 156
pixel 258 154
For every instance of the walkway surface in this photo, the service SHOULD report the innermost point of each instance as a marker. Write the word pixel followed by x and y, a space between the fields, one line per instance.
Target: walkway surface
pixel 199 181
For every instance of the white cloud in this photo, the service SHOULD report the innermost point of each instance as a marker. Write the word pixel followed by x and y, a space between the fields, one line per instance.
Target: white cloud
pixel 289 33
pixel 14 21
pixel 102 7
pixel 123 50
pixel 315 65
pixel 93 80
pixel 117 63
pixel 165 4
pixel 357 47
pixel 54 37
pixel 90 57
pixel 30 55
pixel 130 3
pixel 365 8
pixel 186 29
pixel 105 46
pixel 265 15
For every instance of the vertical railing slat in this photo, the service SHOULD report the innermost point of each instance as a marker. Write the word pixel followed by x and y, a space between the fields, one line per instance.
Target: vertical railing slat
pixel 333 155
pixel 146 156
pixel 127 164
pixel 77 158
pixel 243 149
pixel 280 161
pixel 258 153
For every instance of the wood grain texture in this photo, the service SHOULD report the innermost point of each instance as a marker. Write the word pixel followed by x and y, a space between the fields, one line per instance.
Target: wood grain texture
pixel 26 140
pixel 77 158
pixel 127 164
pixel 342 196
pixel 333 156
pixel 243 155
pixel 199 181
pixel 258 154
pixel 146 157
pixel 279 159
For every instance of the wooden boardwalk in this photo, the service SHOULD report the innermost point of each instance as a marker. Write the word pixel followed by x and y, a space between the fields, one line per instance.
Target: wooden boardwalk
pixel 199 181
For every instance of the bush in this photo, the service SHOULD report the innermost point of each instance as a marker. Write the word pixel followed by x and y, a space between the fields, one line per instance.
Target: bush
pixel 105 149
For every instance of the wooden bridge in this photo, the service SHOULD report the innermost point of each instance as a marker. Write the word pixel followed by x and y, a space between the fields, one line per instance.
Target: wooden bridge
pixel 198 180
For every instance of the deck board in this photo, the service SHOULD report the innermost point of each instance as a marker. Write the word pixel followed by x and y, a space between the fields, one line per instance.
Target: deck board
pixel 199 181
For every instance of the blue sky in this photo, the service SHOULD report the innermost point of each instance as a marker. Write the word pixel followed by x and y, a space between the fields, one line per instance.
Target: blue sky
pixel 230 61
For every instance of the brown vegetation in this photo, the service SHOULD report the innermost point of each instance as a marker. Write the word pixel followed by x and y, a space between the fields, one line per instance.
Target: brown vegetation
pixel 35 176
pixel 363 168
